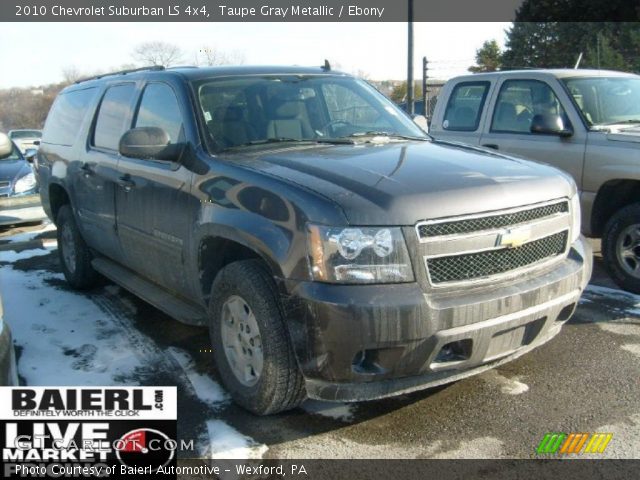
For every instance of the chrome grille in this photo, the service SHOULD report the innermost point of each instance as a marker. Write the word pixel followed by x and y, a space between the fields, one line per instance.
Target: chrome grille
pixel 490 222
pixel 4 184
pixel 493 262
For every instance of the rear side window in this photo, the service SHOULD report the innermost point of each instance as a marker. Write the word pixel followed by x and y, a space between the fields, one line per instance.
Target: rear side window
pixel 465 106
pixel 112 116
pixel 66 116
pixel 159 108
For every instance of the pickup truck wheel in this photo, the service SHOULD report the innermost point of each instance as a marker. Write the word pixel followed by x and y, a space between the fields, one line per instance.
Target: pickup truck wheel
pixel 75 256
pixel 621 247
pixel 251 345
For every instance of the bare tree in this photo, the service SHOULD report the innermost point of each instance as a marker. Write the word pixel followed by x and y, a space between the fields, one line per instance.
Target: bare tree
pixel 157 53
pixel 209 55
pixel 71 74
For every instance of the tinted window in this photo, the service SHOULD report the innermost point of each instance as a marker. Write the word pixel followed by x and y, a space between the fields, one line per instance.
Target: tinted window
pixel 465 106
pixel 66 116
pixel 519 101
pixel 159 108
pixel 114 111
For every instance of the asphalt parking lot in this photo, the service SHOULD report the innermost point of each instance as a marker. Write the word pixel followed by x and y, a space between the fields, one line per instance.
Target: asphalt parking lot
pixel 587 379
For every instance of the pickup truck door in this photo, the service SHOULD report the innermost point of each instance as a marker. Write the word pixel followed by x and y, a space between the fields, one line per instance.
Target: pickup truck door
pixel 511 111
pixel 152 201
pixel 94 177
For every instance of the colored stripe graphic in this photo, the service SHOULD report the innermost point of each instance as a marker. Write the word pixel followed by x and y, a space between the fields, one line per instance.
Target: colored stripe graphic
pixel 573 443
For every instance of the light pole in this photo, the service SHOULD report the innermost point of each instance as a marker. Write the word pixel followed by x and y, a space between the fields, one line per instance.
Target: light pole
pixel 410 105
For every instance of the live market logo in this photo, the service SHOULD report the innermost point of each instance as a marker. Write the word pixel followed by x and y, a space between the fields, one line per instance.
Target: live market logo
pixel 84 432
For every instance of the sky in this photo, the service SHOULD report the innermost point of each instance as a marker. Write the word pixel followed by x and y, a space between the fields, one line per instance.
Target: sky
pixel 38 54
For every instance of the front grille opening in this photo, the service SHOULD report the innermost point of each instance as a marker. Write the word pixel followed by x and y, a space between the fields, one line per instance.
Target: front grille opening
pixel 471 266
pixel 376 361
pixel 566 313
pixel 492 222
pixel 457 351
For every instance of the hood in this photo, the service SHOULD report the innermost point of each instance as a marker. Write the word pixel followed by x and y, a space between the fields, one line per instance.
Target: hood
pixel 627 134
pixel 400 183
pixel 10 171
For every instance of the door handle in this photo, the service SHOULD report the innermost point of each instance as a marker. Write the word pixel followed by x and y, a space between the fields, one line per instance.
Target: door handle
pixel 87 170
pixel 126 183
pixel 491 145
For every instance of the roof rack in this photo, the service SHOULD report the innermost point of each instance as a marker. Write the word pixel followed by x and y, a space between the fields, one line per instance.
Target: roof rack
pixel 122 72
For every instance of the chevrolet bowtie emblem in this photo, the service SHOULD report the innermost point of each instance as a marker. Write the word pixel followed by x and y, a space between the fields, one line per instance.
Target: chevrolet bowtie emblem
pixel 515 237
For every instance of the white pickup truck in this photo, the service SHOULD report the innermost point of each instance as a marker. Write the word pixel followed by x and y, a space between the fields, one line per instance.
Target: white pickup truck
pixel 586 122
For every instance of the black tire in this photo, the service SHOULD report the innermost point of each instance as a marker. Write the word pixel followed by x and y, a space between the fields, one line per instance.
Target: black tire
pixel 614 236
pixel 280 386
pixel 77 271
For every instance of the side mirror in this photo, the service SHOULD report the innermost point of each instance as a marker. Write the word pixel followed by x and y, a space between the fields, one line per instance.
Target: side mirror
pixel 30 154
pixel 149 143
pixel 6 147
pixel 421 121
pixel 36 143
pixel 550 125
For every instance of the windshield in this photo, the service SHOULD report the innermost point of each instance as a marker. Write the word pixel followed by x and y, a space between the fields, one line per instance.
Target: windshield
pixel 250 110
pixel 26 134
pixel 606 100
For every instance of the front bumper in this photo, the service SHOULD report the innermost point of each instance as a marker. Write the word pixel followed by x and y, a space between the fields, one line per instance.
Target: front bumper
pixel 21 209
pixel 358 342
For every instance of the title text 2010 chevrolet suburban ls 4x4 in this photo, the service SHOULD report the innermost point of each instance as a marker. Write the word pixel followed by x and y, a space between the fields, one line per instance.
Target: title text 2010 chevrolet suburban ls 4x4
pixel 333 249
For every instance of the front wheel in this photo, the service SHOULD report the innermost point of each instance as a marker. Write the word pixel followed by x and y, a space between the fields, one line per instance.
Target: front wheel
pixel 621 247
pixel 251 345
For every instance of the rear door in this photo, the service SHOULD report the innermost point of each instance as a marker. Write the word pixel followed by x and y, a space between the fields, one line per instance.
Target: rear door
pixel 152 201
pixel 461 119
pixel 512 110
pixel 95 175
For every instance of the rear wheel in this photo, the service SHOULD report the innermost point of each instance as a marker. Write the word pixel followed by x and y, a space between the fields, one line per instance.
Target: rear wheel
pixel 251 346
pixel 621 247
pixel 75 256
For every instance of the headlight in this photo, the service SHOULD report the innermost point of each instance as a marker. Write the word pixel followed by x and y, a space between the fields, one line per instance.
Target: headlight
pixel 26 183
pixel 358 255
pixel 575 217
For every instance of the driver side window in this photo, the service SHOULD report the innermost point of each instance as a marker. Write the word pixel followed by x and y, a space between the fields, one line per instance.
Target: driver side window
pixel 521 100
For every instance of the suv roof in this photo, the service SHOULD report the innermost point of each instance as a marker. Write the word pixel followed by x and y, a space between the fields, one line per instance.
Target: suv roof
pixel 196 73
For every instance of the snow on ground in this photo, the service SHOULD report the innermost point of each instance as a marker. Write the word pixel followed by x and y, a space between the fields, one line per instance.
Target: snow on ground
pixel 66 338
pixel 595 293
pixel 508 386
pixel 337 411
pixel 28 236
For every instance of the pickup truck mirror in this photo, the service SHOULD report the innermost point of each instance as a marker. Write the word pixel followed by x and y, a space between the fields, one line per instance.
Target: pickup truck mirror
pixel 149 143
pixel 6 147
pixel 551 125
pixel 421 121
pixel 30 154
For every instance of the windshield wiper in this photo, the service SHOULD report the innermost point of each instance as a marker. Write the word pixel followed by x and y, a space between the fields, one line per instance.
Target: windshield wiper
pixel 266 141
pixel 373 133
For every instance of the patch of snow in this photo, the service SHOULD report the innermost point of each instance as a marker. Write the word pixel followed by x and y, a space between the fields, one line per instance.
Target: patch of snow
pixel 66 338
pixel 337 411
pixel 486 447
pixel 205 388
pixel 10 256
pixel 508 386
pixel 225 442
pixel 28 236
pixel 633 348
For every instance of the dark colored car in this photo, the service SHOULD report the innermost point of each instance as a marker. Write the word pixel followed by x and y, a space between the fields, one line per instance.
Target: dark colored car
pixel 8 370
pixel 332 248
pixel 19 198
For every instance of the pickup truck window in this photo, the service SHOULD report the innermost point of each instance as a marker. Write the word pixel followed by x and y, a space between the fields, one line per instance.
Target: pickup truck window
pixel 159 108
pixel 606 100
pixel 465 106
pixel 65 118
pixel 519 101
pixel 112 115
pixel 249 110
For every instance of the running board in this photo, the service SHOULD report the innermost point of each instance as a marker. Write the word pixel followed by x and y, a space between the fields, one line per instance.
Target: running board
pixel 181 310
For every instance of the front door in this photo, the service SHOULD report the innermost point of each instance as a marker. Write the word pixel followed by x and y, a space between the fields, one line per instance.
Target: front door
pixel 152 201
pixel 508 130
